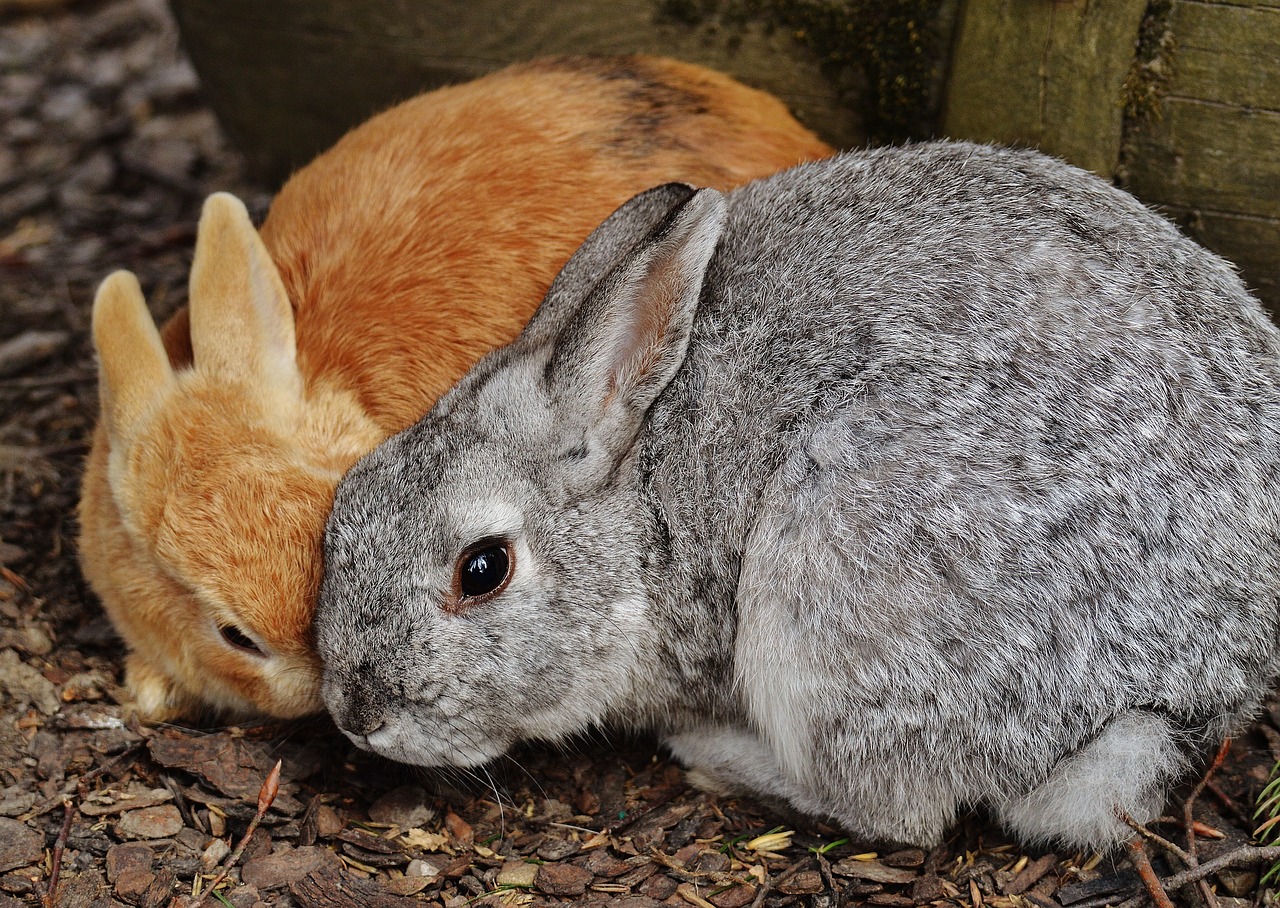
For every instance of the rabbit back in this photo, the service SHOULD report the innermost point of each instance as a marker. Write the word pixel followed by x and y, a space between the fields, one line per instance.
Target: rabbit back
pixel 997 456
pixel 915 479
pixel 465 249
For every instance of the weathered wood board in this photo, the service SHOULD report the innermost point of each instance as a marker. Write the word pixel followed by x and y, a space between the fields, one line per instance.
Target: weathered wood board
pixel 288 77
pixel 1045 74
pixel 1178 100
pixel 1209 154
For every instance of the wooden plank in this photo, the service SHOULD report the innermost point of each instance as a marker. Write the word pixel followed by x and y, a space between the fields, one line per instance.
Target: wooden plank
pixel 1205 155
pixel 1228 53
pixel 1249 242
pixel 1209 151
pixel 287 77
pixel 1044 73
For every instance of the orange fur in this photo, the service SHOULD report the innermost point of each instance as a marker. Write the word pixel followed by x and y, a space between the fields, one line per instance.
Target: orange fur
pixel 421 240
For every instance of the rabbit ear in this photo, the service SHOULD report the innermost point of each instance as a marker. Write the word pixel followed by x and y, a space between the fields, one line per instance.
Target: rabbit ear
pixel 134 370
pixel 241 320
pixel 627 339
pixel 620 233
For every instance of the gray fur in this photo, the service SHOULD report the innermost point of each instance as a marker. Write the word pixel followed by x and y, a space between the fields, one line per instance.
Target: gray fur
pixel 963 494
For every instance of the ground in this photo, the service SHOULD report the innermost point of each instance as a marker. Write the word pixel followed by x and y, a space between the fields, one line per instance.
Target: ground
pixel 108 151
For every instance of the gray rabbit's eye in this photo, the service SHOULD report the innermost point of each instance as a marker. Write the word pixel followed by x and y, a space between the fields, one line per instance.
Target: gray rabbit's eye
pixel 484 569
pixel 239 639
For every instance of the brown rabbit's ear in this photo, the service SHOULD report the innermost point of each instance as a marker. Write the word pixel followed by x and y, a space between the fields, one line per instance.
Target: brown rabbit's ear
pixel 133 367
pixel 241 320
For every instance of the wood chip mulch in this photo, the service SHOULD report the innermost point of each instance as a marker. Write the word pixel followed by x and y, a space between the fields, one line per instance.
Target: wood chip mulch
pixel 106 152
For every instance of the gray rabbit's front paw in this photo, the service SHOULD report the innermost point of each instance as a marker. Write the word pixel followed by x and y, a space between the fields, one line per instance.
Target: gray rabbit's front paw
pixel 730 762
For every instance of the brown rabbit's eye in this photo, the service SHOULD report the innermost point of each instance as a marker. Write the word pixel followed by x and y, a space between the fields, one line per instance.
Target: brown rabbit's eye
pixel 239 639
pixel 484 569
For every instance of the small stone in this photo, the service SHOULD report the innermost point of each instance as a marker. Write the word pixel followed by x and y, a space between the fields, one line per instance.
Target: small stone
pixel 87 180
pixel 193 841
pixel 212 856
pixel 243 897
pixel 23 130
pixel 558 849
pixel 328 822
pixel 171 83
pixel 807 882
pixel 562 879
pixel 286 865
pixel 171 159
pixel 20 845
pixel 150 823
pixel 15 800
pixel 106 70
pixel 408 885
pixel 405 807
pixel 733 898
pixel 1239 882
pixel 710 862
pixel 129 858
pixel 517 873
pixel 28 349
pixel 130 886
pixel 20 91
pixel 64 104
pixel 26 685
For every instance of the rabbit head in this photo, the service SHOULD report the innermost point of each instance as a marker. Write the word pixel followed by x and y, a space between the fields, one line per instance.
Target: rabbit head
pixel 483 575
pixel 209 483
pixel 423 239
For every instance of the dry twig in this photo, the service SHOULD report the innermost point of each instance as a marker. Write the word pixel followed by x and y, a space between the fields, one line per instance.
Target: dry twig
pixel 59 846
pixel 1138 854
pixel 1238 857
pixel 1188 817
pixel 270 788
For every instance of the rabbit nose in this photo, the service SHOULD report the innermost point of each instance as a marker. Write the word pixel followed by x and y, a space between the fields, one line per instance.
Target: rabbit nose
pixel 363 725
pixel 362 714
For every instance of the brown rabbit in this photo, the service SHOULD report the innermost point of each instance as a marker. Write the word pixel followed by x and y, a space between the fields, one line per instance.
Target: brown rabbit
pixel 385 268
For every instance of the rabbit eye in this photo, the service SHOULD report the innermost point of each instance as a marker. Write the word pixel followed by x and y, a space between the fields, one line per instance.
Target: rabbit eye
pixel 239 639
pixel 484 569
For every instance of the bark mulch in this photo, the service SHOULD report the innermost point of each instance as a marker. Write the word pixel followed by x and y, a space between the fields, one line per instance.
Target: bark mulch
pixel 107 152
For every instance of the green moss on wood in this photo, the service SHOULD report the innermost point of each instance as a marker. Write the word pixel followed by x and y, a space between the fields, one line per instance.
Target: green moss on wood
pixel 1152 70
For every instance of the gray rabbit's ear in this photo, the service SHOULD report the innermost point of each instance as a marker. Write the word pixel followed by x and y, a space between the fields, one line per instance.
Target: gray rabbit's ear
pixel 629 337
pixel 600 252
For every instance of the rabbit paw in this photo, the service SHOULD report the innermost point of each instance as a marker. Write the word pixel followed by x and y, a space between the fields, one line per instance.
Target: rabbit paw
pixel 1127 766
pixel 730 761
pixel 154 696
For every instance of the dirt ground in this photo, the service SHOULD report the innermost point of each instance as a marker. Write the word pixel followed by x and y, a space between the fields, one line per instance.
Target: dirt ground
pixel 107 153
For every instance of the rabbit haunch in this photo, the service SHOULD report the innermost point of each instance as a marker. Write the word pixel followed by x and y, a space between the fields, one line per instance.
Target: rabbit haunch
pixel 947 479
pixel 386 267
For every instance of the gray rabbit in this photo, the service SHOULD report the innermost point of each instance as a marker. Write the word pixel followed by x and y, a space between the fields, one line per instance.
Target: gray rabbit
pixel 916 479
